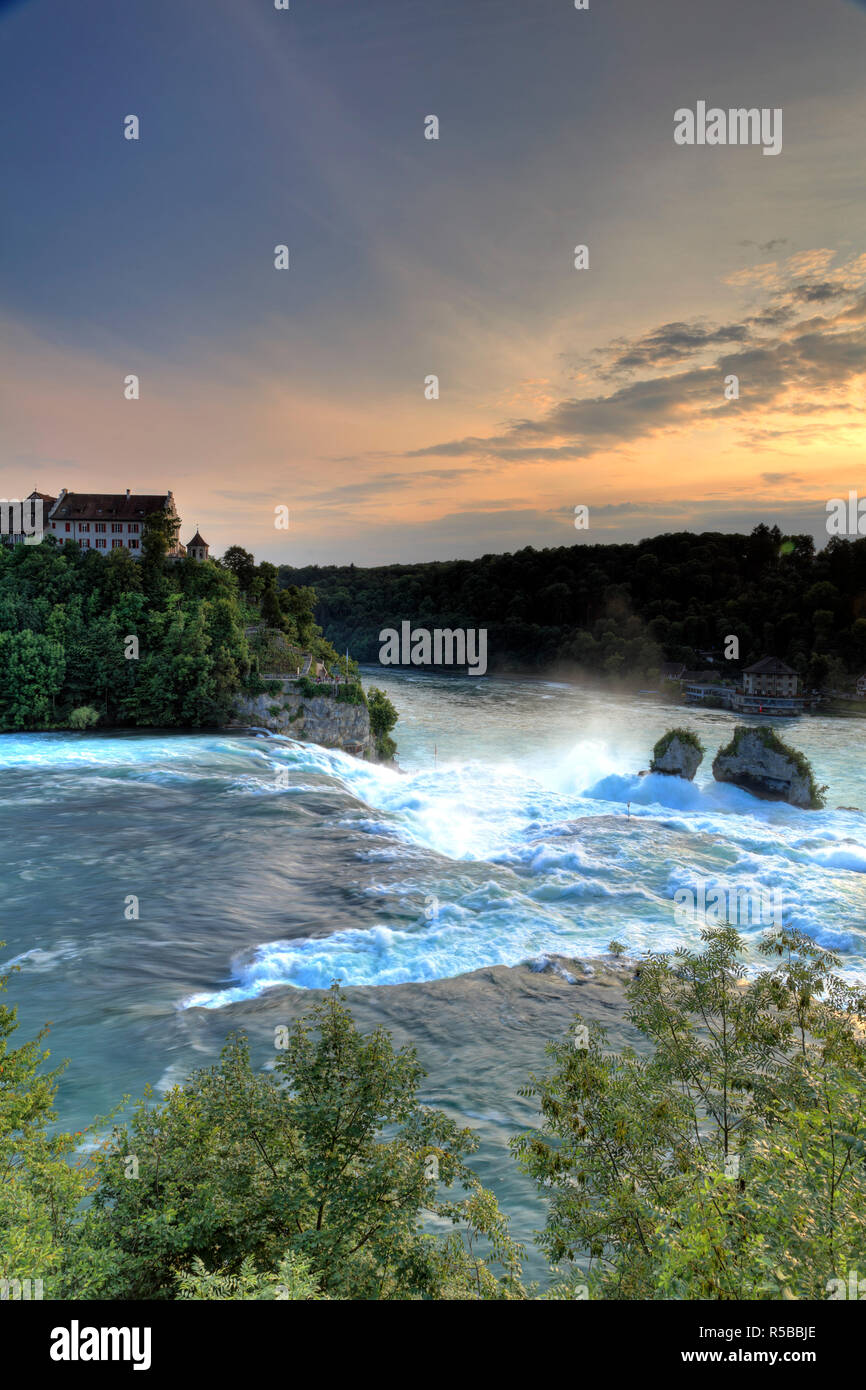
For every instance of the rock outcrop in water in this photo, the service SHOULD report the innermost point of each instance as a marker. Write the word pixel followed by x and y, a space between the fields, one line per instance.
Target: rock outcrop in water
pixel 758 761
pixel 678 753
pixel 312 719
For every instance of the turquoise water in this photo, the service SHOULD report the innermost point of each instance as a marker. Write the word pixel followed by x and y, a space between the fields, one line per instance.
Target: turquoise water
pixel 260 863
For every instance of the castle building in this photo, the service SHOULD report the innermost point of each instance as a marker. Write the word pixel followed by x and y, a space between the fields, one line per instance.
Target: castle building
pixel 106 520
pixel 100 521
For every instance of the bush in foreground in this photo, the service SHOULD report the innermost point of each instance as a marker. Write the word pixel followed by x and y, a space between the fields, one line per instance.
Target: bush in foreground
pixel 249 1182
pixel 727 1164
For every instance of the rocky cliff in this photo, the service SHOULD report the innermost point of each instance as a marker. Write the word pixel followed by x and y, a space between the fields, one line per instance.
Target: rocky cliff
pixel 758 761
pixel 317 719
pixel 678 753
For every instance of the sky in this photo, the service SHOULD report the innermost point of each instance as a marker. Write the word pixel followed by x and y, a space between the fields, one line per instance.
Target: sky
pixel 304 388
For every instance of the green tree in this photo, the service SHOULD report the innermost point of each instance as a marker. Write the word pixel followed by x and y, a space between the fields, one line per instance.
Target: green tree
pixel 242 565
pixel 32 667
pixel 272 614
pixel 726 1163
pixel 329 1159
pixel 41 1181
pixel 383 717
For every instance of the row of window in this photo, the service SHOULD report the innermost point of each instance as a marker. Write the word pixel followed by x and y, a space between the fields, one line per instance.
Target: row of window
pixel 116 526
pixel 102 544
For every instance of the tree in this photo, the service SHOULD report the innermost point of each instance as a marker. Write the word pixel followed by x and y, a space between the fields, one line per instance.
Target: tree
pixel 383 717
pixel 242 565
pixel 272 614
pixel 728 1163
pixel 159 538
pixel 41 1181
pixel 32 668
pixel 241 1171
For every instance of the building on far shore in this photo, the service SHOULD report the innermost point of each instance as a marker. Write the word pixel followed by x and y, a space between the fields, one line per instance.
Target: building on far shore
pixel 768 687
pixel 861 686
pixel 101 521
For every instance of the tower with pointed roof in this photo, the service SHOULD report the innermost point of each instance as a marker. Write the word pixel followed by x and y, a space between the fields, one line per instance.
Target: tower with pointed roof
pixel 197 548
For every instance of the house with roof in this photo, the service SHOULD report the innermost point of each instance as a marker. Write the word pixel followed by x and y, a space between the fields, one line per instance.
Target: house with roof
pixel 101 521
pixel 769 687
pixel 106 520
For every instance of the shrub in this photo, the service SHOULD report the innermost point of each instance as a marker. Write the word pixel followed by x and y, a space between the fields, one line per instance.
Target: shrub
pixel 684 736
pixel 728 1164
pixel 245 1177
pixel 383 717
pixel 85 717
pixel 351 694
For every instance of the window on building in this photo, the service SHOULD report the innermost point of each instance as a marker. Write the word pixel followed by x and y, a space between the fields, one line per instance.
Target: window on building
pixel 100 544
pixel 84 525
pixel 68 526
pixel 133 545
pixel 115 544
pixel 133 528
pixel 99 526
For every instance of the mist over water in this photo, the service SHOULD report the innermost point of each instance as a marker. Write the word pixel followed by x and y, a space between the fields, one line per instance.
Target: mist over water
pixel 261 863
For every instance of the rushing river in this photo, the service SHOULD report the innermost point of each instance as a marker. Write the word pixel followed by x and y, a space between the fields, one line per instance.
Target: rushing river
pixel 517 826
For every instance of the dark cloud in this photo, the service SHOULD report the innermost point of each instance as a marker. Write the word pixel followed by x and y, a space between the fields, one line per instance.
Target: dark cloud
pixel 765 247
pixel 811 356
pixel 673 342
pixel 815 293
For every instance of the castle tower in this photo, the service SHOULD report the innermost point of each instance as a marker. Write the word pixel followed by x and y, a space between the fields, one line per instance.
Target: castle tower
pixel 197 548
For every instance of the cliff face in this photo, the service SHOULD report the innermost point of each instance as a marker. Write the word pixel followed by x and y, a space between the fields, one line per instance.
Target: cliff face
pixel 681 758
pixel 763 770
pixel 321 719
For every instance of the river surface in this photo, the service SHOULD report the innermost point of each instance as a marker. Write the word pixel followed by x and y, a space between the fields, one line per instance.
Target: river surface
pixel 260 869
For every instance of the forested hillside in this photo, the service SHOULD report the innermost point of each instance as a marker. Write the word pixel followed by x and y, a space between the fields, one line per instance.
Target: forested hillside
pixel 88 639
pixel 620 610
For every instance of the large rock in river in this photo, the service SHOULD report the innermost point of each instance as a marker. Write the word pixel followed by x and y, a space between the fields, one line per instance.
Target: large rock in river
pixel 758 761
pixel 678 753
pixel 318 719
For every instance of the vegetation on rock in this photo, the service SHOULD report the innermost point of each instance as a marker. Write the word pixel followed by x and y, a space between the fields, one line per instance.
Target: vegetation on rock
pixel 683 736
pixel 773 744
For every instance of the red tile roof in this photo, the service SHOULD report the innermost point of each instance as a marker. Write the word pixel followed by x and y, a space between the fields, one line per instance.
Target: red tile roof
pixel 109 506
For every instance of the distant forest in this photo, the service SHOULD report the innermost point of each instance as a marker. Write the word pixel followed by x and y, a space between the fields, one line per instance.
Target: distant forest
pixel 620 611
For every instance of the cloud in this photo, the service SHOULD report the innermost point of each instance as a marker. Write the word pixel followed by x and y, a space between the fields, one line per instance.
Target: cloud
pixel 775 356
